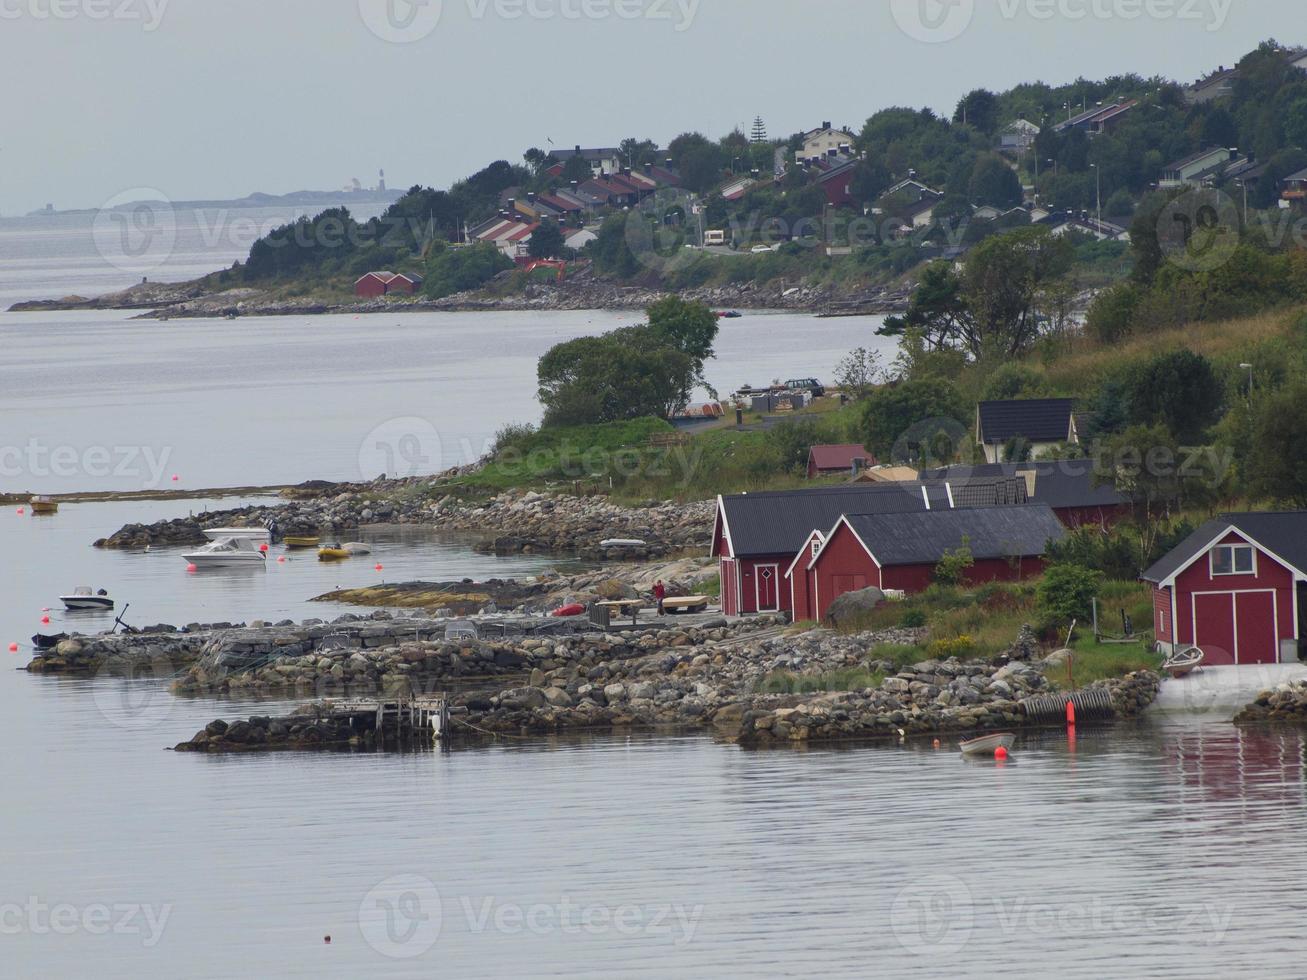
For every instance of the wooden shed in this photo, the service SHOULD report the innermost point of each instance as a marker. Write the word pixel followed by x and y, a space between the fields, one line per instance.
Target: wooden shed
pixel 1235 588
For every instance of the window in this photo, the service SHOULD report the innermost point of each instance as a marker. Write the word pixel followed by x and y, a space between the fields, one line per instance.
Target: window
pixel 816 547
pixel 1234 559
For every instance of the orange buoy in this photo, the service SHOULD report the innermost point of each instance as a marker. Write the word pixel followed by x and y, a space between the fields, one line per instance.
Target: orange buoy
pixel 1071 714
pixel 935 744
pixel 1000 754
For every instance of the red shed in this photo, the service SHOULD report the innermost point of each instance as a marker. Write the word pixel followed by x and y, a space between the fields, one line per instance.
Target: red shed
pixel 838 460
pixel 1235 588
pixel 373 285
pixel 900 551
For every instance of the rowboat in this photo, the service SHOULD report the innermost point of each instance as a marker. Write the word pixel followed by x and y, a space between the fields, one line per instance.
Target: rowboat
pixel 228 553
pixel 332 554
pixel 43 642
pixel 42 506
pixel 988 744
pixel 1183 663
pixel 302 541
pixel 83 598
pixel 259 535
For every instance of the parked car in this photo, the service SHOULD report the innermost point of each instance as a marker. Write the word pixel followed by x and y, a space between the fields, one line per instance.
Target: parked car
pixel 811 385
pixel 760 249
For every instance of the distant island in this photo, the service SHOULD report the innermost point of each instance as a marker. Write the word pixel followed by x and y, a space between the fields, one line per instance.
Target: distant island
pixel 358 195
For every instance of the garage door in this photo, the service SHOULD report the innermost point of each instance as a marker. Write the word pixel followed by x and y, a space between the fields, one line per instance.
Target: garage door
pixel 1236 627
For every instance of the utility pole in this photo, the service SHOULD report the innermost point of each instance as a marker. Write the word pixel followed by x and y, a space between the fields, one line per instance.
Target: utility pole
pixel 1098 182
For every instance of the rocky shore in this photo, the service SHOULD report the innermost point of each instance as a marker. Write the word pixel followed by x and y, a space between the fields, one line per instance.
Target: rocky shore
pixel 738 681
pixel 514 522
pixel 583 292
pixel 1284 703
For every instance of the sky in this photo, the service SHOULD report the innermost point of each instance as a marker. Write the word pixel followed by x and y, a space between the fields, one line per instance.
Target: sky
pixel 111 100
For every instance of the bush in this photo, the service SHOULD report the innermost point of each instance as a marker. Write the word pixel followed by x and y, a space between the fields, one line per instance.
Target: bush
pixel 1111 314
pixel 913 619
pixel 959 646
pixel 954 565
pixel 1066 592
pixel 512 435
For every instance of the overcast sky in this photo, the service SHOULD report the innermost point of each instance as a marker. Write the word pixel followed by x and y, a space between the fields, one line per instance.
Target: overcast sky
pixel 219 98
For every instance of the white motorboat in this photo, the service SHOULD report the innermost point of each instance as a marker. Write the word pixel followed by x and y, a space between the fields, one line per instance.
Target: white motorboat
pixel 83 598
pixel 259 535
pixel 988 744
pixel 229 552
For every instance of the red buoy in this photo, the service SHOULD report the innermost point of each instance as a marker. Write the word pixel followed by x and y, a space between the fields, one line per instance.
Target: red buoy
pixel 1000 754
pixel 191 568
pixel 175 478
pixel 1071 714
pixel 380 566
pixel 263 548
pixel 13 648
pixel 281 559
pixel 45 620
pixel 20 512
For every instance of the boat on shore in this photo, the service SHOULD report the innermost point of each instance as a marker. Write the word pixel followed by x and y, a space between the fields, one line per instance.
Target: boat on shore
pixel 1182 663
pixel 83 599
pixel 43 506
pixel 259 535
pixel 42 642
pixel 988 744
pixel 229 553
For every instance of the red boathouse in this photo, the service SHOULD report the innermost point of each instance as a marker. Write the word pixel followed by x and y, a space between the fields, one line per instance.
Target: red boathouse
pixel 1235 588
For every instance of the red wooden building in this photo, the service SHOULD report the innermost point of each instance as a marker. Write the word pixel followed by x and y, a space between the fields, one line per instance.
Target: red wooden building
pixel 900 552
pixel 838 460
pixel 377 284
pixel 1235 588
pixel 756 536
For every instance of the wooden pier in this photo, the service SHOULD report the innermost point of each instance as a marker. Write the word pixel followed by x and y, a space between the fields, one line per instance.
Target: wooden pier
pixel 402 717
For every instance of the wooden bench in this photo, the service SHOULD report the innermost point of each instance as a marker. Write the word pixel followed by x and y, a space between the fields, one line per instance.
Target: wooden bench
pixel 685 604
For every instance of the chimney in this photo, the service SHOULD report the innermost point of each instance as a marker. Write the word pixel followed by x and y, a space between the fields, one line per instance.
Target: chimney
pixel 825 124
pixel 578 148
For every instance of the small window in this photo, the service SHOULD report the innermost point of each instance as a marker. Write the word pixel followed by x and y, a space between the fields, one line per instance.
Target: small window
pixel 1233 560
pixel 816 547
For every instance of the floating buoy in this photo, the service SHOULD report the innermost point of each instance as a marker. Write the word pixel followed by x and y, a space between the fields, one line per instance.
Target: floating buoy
pixel 45 620
pixel 263 548
pixel 935 744
pixel 1000 754
pixel 327 939
pixel 20 512
pixel 13 648
pixel 191 568
pixel 281 559
pixel 379 566
pixel 1071 714
pixel 175 478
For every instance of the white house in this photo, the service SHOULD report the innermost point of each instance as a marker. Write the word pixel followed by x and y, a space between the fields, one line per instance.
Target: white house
pixel 1019 135
pixel 819 142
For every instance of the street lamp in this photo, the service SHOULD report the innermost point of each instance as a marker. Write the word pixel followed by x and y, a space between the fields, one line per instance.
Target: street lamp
pixel 1249 369
pixel 1098 182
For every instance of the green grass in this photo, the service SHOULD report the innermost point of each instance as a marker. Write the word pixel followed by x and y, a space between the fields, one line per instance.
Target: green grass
pixel 1097 661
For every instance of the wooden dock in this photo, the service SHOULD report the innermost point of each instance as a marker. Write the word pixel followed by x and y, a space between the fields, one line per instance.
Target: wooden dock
pixel 401 717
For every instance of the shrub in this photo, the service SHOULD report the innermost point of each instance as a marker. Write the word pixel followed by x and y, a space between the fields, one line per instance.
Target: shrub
pixel 512 435
pixel 959 646
pixel 1066 592
pixel 954 565
pixel 913 619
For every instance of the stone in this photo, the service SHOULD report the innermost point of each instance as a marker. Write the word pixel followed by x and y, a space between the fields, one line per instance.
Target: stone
pixel 851 605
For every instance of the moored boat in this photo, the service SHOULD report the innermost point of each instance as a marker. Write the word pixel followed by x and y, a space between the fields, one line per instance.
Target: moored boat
pixel 44 506
pixel 332 554
pixel 229 552
pixel 988 744
pixel 302 541
pixel 83 598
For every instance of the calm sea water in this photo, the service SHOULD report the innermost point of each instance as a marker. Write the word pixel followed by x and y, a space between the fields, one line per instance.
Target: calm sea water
pixel 1162 851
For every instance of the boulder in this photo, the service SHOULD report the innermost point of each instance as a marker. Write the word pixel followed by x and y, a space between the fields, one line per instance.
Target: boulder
pixel 851 605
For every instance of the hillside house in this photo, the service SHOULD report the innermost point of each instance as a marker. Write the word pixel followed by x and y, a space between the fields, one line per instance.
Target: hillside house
pixel 819 142
pixel 838 461
pixel 1196 167
pixel 1043 423
pixel 1018 135
pixel 1236 588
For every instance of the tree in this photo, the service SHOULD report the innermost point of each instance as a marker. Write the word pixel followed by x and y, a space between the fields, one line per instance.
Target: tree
pixel 759 134
pixel 690 328
pixel 1002 281
pixel 625 374
pixel 1067 592
pixel 1111 313
pixel 954 564
pixel 978 108
pixel 856 374
pixel 546 241
pixel 903 423
pixel 1180 391
pixel 1274 466
pixel 937 309
pixel 994 182
pixel 699 160
pixel 455 270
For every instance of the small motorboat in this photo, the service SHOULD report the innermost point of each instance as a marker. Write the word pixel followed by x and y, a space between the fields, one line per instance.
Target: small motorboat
pixel 729 314
pixel 1183 663
pixel 43 506
pixel 43 642
pixel 302 541
pixel 623 543
pixel 356 548
pixel 259 535
pixel 333 553
pixel 988 744
pixel 83 599
pixel 228 553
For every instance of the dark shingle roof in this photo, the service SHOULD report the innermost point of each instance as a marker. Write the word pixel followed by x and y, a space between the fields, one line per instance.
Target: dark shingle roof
pixel 1285 534
pixel 994 532
pixel 1039 420
pixel 778 523
pixel 1059 483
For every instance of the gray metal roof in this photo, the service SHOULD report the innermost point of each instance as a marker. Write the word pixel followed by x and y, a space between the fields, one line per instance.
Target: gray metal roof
pixel 1059 483
pixel 993 532
pixel 1036 419
pixel 779 522
pixel 1284 534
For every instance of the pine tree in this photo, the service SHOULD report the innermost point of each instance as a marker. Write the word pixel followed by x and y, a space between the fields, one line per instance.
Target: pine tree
pixel 759 130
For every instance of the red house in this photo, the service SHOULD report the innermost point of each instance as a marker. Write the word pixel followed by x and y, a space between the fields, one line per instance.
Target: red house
pixel 757 535
pixel 1235 588
pixel 900 552
pixel 838 460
